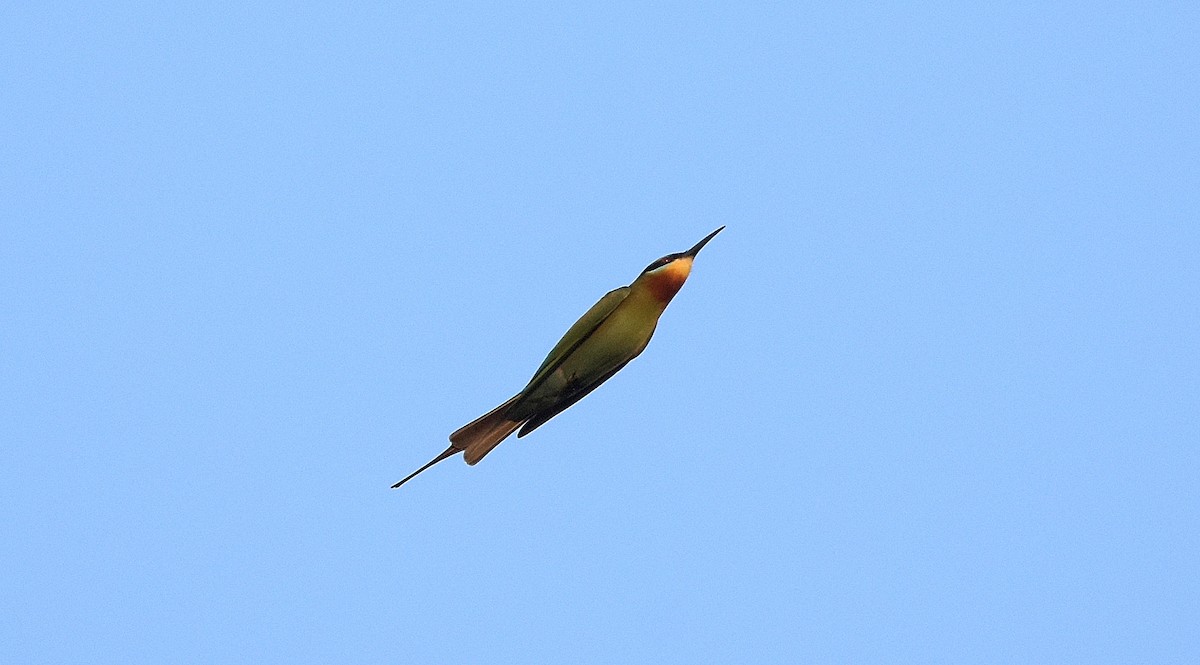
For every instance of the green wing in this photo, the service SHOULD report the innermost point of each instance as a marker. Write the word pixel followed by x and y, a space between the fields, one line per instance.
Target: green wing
pixel 567 400
pixel 582 329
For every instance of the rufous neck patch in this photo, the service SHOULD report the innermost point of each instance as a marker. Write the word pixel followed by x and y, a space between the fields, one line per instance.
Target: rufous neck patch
pixel 665 282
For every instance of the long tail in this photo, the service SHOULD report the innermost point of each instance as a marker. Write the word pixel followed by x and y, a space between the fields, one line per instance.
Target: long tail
pixel 478 437
pixel 447 453
pixel 475 439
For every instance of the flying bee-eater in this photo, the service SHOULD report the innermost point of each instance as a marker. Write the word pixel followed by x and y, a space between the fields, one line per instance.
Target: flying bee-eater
pixel 610 334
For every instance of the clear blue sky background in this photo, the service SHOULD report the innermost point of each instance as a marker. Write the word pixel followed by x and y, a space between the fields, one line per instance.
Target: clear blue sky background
pixel 931 397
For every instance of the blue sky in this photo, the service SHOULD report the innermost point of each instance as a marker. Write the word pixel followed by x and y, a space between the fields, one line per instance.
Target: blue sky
pixel 931 397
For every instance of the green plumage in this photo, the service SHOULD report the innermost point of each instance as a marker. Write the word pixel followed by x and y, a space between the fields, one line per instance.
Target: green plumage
pixel 610 334
pixel 613 332
pixel 578 332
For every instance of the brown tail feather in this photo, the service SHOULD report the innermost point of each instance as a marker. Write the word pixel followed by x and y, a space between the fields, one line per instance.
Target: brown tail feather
pixel 475 439
pixel 478 437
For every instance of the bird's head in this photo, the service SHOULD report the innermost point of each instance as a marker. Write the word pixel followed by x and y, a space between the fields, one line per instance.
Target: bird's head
pixel 665 276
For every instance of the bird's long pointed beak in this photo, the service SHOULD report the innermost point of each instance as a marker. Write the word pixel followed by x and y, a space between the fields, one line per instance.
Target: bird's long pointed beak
pixel 700 245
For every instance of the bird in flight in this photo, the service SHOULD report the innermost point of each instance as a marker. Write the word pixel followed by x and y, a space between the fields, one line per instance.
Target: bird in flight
pixel 610 334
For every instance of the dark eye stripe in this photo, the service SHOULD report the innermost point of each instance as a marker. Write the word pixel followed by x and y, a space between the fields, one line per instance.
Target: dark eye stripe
pixel 658 264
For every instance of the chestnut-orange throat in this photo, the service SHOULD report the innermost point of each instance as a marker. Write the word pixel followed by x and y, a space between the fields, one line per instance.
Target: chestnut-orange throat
pixel 665 282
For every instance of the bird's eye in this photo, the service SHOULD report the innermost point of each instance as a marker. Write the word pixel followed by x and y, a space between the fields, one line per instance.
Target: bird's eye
pixel 658 264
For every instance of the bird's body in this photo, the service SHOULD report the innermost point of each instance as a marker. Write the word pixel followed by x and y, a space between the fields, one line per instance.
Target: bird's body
pixel 610 334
